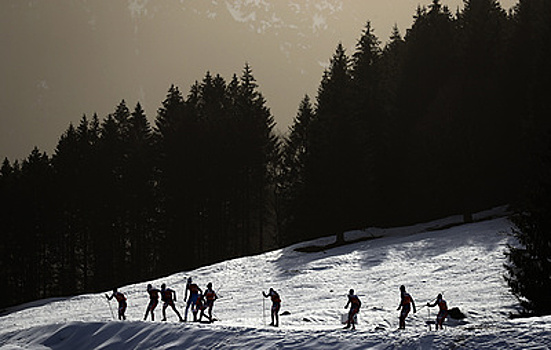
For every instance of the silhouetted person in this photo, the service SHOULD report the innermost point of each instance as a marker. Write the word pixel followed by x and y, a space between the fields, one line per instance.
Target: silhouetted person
pixel 194 292
pixel 406 301
pixel 168 296
pixel 122 302
pixel 355 305
pixel 209 297
pixel 153 301
pixel 276 305
pixel 442 312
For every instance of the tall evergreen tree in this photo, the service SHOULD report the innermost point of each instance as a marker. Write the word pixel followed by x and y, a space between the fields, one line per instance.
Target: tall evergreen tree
pixel 333 158
pixel 37 225
pixel 175 128
pixel 428 63
pixel 373 127
pixel 256 152
pixel 529 263
pixel 139 192
pixel 391 68
pixel 482 31
pixel 292 176
pixel 70 170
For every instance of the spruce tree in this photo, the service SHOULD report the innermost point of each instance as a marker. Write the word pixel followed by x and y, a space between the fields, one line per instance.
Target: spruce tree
pixel 331 164
pixel 428 63
pixel 373 127
pixel 292 177
pixel 529 263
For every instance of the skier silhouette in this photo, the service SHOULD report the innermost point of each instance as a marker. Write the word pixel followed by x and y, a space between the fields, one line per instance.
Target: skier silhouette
pixel 169 297
pixel 153 301
pixel 405 304
pixel 209 296
pixel 122 302
pixel 276 305
pixel 355 305
pixel 194 292
pixel 443 310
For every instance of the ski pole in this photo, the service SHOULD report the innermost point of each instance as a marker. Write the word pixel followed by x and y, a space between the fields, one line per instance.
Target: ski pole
pixel 110 308
pixel 264 310
pixel 428 318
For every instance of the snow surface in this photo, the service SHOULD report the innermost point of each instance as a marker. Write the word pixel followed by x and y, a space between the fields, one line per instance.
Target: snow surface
pixel 464 262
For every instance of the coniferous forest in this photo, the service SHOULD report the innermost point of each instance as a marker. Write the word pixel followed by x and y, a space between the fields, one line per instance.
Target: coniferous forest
pixel 451 117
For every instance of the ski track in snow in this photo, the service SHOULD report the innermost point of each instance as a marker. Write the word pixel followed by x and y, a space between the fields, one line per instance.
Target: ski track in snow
pixel 463 262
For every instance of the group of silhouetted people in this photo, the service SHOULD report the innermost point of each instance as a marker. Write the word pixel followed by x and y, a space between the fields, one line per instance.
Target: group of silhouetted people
pixel 405 306
pixel 199 301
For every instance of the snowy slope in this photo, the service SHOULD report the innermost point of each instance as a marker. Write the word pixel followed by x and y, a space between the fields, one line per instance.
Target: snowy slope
pixel 463 262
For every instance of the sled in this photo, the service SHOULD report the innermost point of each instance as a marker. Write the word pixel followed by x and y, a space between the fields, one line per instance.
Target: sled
pixel 344 318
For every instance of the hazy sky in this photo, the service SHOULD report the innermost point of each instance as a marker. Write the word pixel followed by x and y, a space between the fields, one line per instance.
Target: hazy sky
pixel 61 59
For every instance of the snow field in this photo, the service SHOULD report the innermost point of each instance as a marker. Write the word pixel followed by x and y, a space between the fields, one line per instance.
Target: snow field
pixel 464 263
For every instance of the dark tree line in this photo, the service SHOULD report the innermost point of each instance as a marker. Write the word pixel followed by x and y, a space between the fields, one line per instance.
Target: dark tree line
pixel 121 201
pixel 443 120
pixel 436 122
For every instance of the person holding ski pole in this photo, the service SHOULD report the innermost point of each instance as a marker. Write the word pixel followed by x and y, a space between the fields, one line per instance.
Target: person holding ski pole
pixel 122 302
pixel 168 296
pixel 276 305
pixel 355 305
pixel 406 301
pixel 194 292
pixel 209 296
pixel 443 310
pixel 153 301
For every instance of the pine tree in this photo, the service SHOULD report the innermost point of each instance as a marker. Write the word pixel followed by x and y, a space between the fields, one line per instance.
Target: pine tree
pixel 12 250
pixel 391 70
pixel 330 165
pixel 69 165
pixel 529 263
pixel 373 127
pixel 139 191
pixel 479 172
pixel 292 177
pixel 174 132
pixel 256 154
pixel 37 225
pixel 428 64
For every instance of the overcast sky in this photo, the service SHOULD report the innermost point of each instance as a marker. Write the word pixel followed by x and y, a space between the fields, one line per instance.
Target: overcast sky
pixel 62 59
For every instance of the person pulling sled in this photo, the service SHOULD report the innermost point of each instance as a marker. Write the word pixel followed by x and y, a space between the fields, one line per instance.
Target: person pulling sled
pixel 442 312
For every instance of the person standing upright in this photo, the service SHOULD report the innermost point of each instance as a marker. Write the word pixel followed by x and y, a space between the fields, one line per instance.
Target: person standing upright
pixel 276 305
pixel 355 305
pixel 194 292
pixel 121 300
pixel 209 296
pixel 406 301
pixel 442 312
